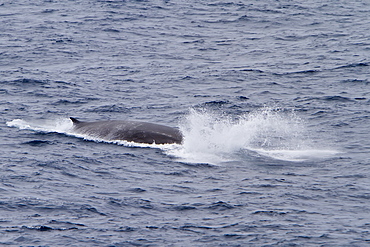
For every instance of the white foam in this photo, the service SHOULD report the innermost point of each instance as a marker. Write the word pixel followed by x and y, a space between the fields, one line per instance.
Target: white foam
pixel 59 125
pixel 215 138
pixel 298 155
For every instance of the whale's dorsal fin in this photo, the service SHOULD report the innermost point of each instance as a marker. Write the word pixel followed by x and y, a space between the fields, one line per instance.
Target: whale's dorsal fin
pixel 74 120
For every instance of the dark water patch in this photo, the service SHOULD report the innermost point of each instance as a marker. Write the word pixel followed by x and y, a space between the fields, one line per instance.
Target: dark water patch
pixel 266 9
pixel 265 93
pixel 290 38
pixel 49 11
pixel 38 228
pixel 68 174
pixel 249 193
pixel 293 174
pixel 21 178
pixel 216 103
pixel 65 84
pixel 201 96
pixel 136 190
pixel 301 196
pixel 183 208
pixel 220 206
pixel 198 41
pixel 111 30
pixel 304 99
pixel 48 135
pixel 178 173
pixel 190 227
pixel 125 229
pixel 15 107
pixel 214 190
pixel 38 143
pixel 160 107
pixel 152 227
pixel 29 82
pixel 22 239
pixel 310 71
pixel 244 18
pixel 319 113
pixel 39 94
pixel 140 241
pixel 89 209
pixel 86 160
pixel 298 73
pixel 360 98
pixel 253 70
pixel 225 4
pixel 269 213
pixel 116 108
pixel 44 228
pixel 131 202
pixel 234 236
pixel 34 204
pixel 63 40
pixel 336 98
pixel 198 165
pixel 188 78
pixel 208 239
pixel 353 65
pixel 50 164
pixel 105 174
pixel 356 81
pixel 207 49
pixel 340 124
pixel 365 196
pixel 354 176
pixel 243 98
pixel 70 102
pixel 174 190
pixel 65 223
pixel 130 155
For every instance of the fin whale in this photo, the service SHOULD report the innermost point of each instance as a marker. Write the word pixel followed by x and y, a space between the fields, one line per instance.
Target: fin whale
pixel 132 131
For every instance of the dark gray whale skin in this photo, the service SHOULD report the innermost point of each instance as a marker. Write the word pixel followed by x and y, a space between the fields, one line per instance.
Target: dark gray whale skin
pixel 132 131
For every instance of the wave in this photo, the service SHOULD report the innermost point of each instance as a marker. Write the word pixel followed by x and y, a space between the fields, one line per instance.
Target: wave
pixel 214 138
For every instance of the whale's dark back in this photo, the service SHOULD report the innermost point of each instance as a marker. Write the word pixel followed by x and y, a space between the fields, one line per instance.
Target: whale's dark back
pixel 134 131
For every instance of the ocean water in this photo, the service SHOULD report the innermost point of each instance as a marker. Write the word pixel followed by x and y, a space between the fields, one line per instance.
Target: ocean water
pixel 272 98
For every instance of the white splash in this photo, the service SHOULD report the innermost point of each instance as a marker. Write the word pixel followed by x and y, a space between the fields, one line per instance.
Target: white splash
pixel 214 138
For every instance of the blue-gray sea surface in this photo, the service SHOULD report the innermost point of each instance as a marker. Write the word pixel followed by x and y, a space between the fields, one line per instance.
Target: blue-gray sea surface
pixel 272 98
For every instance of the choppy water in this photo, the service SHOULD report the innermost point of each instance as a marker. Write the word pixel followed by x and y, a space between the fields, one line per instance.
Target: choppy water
pixel 272 98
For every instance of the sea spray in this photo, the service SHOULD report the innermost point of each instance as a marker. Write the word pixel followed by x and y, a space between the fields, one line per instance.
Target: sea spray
pixel 211 137
pixel 276 129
